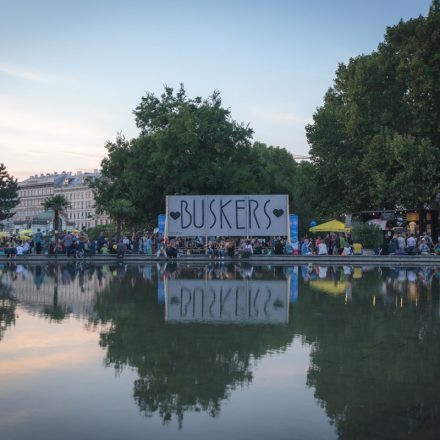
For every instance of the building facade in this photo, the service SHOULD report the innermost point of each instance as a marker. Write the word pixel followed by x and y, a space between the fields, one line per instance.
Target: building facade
pixel 82 211
pixel 33 191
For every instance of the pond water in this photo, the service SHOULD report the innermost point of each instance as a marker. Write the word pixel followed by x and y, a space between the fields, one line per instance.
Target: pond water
pixel 219 352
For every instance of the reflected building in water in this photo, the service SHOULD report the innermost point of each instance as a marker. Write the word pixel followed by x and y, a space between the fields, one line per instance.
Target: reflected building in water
pixel 66 289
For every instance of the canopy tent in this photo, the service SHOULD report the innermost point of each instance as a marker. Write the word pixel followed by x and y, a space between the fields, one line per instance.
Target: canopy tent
pixel 25 232
pixel 331 226
pixel 4 234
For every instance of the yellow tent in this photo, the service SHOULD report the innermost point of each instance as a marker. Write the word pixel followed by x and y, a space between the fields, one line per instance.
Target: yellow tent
pixel 26 232
pixel 4 234
pixel 331 226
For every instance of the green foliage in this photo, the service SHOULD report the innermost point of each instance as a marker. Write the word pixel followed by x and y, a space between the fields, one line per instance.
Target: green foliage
pixel 187 146
pixel 376 140
pixel 121 210
pixel 8 194
pixel 108 230
pixel 58 204
pixel 370 236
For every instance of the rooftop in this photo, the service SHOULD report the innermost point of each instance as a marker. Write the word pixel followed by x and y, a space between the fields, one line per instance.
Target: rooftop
pixel 59 180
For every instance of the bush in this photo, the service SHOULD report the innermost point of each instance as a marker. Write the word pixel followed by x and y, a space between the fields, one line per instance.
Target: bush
pixel 109 231
pixel 370 236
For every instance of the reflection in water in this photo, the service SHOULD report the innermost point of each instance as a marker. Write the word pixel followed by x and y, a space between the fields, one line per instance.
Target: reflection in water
pixel 227 301
pixel 374 364
pixel 7 308
pixel 373 332
pixel 192 368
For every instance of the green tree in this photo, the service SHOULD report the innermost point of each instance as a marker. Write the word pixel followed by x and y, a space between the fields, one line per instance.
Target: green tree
pixel 188 146
pixel 375 142
pixel 370 236
pixel 8 194
pixel 120 210
pixel 58 204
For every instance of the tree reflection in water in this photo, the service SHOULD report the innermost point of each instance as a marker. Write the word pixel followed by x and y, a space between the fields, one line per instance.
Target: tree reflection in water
pixel 374 336
pixel 7 308
pixel 375 367
pixel 180 367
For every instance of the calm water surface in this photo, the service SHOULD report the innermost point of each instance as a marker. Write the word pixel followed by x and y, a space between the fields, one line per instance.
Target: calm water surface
pixel 219 352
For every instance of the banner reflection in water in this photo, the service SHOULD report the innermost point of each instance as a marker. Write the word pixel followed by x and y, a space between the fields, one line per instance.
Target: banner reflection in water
pixel 227 301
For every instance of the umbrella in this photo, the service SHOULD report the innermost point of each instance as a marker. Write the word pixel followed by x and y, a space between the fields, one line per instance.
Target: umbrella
pixel 24 237
pixel 75 231
pixel 331 226
pixel 4 234
pixel 26 232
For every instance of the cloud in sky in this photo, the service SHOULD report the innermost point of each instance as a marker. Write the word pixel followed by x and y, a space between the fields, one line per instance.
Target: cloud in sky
pixel 18 72
pixel 35 141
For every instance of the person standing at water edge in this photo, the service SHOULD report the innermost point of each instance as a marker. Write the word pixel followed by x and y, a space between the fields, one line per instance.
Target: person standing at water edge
pixel 161 249
pixel 38 241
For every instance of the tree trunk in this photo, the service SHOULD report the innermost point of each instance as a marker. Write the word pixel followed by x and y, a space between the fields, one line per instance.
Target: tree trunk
pixel 56 221
pixel 118 229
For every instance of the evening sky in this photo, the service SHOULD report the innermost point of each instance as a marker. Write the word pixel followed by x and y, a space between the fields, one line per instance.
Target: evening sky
pixel 72 72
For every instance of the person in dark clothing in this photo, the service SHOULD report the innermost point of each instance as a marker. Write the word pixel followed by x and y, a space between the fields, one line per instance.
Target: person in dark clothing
pixel 121 249
pixel 172 250
pixel 100 241
pixel 38 240
pixel 278 248
pixel 230 248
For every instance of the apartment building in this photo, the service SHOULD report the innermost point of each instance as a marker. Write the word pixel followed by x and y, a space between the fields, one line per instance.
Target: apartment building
pixel 82 211
pixel 33 191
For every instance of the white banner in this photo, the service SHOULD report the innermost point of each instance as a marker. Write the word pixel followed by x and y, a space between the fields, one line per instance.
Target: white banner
pixel 227 301
pixel 226 216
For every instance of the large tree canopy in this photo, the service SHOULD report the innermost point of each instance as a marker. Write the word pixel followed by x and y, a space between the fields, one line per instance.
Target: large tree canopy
pixel 188 146
pixel 375 142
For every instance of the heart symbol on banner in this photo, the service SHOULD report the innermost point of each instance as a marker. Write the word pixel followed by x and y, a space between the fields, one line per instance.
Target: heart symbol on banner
pixel 278 212
pixel 175 215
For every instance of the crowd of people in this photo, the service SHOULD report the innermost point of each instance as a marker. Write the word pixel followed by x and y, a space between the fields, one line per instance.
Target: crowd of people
pixel 410 244
pixel 79 245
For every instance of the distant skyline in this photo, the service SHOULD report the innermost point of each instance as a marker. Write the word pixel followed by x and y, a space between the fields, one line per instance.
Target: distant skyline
pixel 71 73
